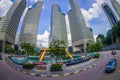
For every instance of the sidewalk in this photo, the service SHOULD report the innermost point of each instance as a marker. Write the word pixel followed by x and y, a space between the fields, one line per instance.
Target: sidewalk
pixel 67 70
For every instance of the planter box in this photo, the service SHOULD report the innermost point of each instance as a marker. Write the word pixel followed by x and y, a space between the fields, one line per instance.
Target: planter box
pixel 59 63
pixel 41 67
pixel 39 63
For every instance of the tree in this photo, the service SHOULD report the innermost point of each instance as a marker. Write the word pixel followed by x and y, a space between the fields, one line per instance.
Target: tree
pixel 93 47
pixel 113 35
pixel 28 48
pixel 115 32
pixel 100 38
pixel 108 40
pixel 118 30
pixel 57 49
pixel 9 49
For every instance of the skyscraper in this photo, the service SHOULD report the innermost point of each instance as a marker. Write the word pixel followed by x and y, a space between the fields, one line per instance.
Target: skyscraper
pixel 110 14
pixel 116 6
pixel 79 32
pixel 29 29
pixel 9 23
pixel 58 24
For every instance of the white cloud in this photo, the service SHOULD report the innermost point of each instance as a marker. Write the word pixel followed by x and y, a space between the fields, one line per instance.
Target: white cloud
pixel 42 39
pixel 94 11
pixel 108 28
pixel 69 40
pixel 49 28
pixel 95 36
pixel 43 7
pixel 4 7
pixel 33 0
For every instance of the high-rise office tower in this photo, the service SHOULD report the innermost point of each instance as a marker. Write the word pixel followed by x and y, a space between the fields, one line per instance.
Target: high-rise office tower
pixel 29 29
pixel 80 34
pixel 110 14
pixel 9 23
pixel 58 25
pixel 116 6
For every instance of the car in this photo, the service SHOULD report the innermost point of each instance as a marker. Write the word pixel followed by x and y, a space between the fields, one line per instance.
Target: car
pixel 113 52
pixel 110 67
pixel 0 57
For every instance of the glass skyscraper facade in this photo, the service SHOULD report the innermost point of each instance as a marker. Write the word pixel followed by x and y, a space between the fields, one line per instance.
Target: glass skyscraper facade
pixel 80 33
pixel 9 23
pixel 29 29
pixel 110 14
pixel 58 25
pixel 116 6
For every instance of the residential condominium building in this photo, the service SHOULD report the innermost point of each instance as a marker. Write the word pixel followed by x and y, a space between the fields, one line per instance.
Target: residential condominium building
pixel 110 14
pixel 116 6
pixel 80 33
pixel 29 29
pixel 58 25
pixel 9 24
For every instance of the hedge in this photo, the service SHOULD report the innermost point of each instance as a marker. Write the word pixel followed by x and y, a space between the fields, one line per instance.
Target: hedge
pixel 28 66
pixel 56 67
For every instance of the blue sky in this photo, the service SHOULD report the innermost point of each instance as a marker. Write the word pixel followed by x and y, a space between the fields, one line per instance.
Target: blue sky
pixel 91 9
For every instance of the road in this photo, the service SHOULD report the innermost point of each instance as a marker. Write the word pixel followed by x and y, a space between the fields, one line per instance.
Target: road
pixel 95 73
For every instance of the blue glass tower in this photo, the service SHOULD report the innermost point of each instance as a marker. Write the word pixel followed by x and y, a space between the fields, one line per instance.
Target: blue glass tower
pixel 110 14
pixel 116 6
pixel 12 0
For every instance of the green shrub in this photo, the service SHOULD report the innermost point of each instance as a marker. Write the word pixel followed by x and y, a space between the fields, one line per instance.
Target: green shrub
pixel 28 66
pixel 56 67
pixel 96 55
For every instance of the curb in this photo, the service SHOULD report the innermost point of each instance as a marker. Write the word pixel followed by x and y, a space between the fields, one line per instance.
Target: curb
pixel 66 74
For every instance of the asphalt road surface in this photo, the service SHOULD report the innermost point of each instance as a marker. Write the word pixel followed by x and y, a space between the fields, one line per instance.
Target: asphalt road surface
pixel 95 73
